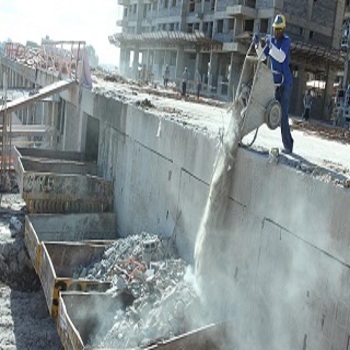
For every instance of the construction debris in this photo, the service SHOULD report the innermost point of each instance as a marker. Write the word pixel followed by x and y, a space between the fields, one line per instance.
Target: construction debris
pixel 160 283
pixel 146 103
pixel 52 57
pixel 115 77
pixel 323 130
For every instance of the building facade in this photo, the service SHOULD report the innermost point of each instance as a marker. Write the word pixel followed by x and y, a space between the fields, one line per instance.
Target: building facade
pixel 212 37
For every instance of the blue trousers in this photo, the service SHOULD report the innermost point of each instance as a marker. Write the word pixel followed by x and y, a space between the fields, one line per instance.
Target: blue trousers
pixel 283 95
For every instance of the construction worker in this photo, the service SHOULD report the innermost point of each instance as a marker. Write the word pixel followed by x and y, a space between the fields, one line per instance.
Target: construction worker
pixel 185 76
pixel 277 48
pixel 307 102
pixel 166 76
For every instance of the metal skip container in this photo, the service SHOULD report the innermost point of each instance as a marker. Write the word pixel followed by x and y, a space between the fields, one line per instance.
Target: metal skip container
pixel 58 263
pixel 61 182
pixel 41 228
pixel 83 316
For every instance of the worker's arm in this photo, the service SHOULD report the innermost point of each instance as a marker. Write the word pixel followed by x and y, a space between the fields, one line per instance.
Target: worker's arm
pixel 278 54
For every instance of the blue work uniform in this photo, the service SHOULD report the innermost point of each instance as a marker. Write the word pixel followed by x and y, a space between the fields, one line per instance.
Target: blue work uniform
pixel 283 80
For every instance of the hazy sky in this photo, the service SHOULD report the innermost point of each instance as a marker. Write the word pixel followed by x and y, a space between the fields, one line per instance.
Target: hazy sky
pixel 92 21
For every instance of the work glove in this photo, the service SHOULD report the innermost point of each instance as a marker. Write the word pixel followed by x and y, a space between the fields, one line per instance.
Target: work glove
pixel 256 38
pixel 268 40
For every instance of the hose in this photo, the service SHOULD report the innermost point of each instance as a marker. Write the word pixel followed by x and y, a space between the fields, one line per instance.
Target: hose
pixel 254 138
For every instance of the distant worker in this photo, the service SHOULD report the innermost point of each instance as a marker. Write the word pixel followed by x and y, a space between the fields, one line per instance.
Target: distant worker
pixel 348 96
pixel 139 72
pixel 166 76
pixel 307 102
pixel 199 83
pixel 277 47
pixel 185 75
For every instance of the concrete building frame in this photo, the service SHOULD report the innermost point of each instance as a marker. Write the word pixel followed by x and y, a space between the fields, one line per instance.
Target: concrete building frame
pixel 212 36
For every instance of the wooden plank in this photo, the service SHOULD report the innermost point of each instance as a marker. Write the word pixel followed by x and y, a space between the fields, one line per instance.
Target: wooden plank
pixel 22 102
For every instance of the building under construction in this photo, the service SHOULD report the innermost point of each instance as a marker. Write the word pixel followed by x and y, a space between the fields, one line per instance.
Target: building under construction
pixel 212 36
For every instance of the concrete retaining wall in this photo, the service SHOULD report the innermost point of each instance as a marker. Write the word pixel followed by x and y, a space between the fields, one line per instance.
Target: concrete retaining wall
pixel 286 249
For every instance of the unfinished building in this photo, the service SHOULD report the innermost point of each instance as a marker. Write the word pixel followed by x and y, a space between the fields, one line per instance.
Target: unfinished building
pixel 212 36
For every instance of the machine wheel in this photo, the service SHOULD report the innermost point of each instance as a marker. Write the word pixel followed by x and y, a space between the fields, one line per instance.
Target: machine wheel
pixel 273 114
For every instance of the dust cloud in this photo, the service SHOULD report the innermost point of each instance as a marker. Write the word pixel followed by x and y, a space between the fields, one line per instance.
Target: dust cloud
pixel 209 260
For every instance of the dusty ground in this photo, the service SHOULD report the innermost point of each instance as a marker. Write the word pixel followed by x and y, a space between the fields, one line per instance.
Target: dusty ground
pixel 25 323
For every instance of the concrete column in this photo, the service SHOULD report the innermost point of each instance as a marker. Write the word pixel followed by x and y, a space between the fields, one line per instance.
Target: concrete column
pixel 238 26
pixel 213 69
pixel 11 79
pixel 158 64
pixel 180 64
pixel 300 90
pixel 167 57
pixel 330 78
pixel 14 76
pixel 135 63
pixel 82 130
pixel 235 74
pixel 198 63
pixel 50 122
pixel 122 59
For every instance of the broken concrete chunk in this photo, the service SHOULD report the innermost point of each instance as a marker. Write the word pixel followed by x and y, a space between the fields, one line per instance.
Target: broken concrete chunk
pixel 158 285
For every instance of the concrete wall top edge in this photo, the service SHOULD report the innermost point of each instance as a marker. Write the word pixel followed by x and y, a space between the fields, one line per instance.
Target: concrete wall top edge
pixel 306 206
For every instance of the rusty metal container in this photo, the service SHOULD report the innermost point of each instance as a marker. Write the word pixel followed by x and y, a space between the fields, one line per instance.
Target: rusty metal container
pixel 60 182
pixel 45 155
pixel 41 228
pixel 59 261
pixel 85 315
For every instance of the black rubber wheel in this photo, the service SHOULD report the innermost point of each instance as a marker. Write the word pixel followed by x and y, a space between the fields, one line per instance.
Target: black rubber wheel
pixel 273 114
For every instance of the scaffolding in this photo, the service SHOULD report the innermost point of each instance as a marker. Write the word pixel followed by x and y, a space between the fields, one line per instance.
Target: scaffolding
pixel 63 59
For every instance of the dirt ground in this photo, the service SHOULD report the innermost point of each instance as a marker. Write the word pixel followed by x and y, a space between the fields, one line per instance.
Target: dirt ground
pixel 25 322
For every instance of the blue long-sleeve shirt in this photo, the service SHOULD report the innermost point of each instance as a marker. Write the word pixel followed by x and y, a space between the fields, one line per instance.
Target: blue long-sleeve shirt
pixel 280 67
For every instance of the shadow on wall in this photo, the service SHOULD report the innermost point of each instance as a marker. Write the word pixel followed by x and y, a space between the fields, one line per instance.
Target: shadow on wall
pixel 92 139
pixel 317 108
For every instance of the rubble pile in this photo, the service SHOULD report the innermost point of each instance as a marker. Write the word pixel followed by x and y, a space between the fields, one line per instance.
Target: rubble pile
pixel 53 60
pixel 115 77
pixel 16 269
pixel 146 103
pixel 165 301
